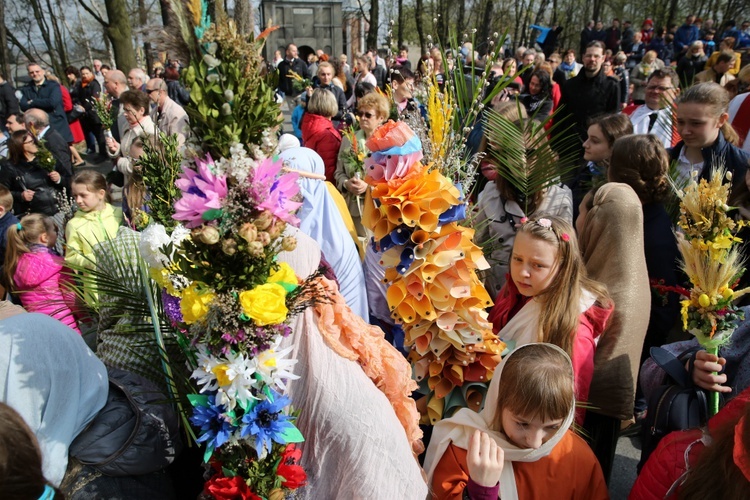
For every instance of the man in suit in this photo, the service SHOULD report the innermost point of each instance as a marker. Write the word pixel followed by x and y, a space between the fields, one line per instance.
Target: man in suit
pixel 46 95
pixel 37 122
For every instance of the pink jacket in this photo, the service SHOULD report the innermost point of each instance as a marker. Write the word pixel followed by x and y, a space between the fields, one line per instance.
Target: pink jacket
pixel 591 325
pixel 42 286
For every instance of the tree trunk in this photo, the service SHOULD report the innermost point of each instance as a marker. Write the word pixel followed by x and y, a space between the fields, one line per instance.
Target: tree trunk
pixel 243 16
pixel 420 26
pixel 400 33
pixel 372 31
pixel 143 21
pixel 120 34
pixel 167 15
pixel 4 53
pixel 460 25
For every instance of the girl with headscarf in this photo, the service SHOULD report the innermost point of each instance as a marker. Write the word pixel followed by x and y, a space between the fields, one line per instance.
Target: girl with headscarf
pixel 523 430
pixel 321 219
pixel 611 235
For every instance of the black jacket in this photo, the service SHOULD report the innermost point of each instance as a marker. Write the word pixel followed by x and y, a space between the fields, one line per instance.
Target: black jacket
pixel 29 175
pixel 61 152
pixel 734 159
pixel 285 83
pixel 583 98
pixel 8 101
pixel 84 96
pixel 47 97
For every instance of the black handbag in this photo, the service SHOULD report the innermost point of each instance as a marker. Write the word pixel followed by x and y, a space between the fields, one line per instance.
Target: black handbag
pixel 678 404
pixel 75 113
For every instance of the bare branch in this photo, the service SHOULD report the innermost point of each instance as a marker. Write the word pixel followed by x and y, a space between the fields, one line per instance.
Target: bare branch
pixel 20 46
pixel 93 14
pixel 362 11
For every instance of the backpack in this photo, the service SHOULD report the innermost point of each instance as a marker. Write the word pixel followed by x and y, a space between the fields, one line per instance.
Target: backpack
pixel 136 432
pixel 676 405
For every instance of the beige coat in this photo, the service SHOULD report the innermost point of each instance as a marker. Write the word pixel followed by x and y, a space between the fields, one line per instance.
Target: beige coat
pixel 172 119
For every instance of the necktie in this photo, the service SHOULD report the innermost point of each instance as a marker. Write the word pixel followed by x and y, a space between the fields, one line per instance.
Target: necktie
pixel 652 120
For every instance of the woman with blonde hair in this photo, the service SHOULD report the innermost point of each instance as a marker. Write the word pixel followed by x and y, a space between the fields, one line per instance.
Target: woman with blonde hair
pixel 639 75
pixel 318 132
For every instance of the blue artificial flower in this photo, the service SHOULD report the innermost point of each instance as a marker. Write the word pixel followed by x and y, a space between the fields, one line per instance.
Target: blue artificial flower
pixel 267 422
pixel 216 427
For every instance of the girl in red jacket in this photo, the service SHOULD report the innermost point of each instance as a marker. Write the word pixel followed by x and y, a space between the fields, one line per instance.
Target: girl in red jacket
pixel 519 446
pixel 550 299
pixel 35 271
pixel 318 132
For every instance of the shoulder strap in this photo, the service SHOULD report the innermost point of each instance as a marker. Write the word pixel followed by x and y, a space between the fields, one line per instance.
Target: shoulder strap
pixel 671 365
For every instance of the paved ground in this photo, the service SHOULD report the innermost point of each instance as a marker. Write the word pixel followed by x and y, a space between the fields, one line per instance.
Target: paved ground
pixel 623 470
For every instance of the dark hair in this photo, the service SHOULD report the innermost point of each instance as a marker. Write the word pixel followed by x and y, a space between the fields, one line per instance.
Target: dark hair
pixel 404 47
pixel 596 43
pixel 106 66
pixel 362 89
pixel 16 153
pixel 545 81
pixel 724 57
pixel 72 70
pixel 641 162
pixel 613 126
pixel 665 72
pixel 136 98
pixel 400 74
pixel 21 473
pixel 86 67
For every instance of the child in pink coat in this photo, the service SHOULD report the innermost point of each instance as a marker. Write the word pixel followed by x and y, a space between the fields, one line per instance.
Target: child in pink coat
pixel 36 273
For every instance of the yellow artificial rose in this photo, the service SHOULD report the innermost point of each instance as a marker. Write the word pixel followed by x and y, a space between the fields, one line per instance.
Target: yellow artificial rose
pixel 265 304
pixel 285 274
pixel 194 304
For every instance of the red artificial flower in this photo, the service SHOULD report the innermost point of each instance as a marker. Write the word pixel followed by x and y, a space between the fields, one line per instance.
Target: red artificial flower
pixel 294 475
pixel 229 488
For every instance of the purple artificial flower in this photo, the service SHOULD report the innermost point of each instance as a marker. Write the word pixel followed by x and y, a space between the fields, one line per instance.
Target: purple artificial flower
pixel 171 306
pixel 275 192
pixel 202 190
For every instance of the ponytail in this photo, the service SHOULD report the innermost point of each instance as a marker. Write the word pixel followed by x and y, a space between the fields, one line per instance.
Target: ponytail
pixel 730 134
pixel 20 236
pixel 16 247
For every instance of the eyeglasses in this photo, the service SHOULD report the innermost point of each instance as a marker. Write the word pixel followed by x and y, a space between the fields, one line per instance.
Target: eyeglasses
pixel 365 114
pixel 658 88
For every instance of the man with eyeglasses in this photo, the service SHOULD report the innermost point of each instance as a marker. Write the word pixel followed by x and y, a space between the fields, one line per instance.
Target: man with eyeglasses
pixel 655 117
pixel 169 116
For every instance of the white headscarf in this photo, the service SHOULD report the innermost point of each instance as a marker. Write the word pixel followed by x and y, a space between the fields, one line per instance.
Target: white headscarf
pixel 53 380
pixel 459 428
pixel 321 220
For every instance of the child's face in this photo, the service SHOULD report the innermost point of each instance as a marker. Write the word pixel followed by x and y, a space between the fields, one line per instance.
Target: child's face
pixel 88 200
pixel 527 432
pixel 533 264
pixel 696 124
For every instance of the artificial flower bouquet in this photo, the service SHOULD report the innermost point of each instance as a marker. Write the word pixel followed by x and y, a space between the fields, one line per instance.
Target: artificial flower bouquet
pixel 711 260
pixel 231 301
pixel 430 267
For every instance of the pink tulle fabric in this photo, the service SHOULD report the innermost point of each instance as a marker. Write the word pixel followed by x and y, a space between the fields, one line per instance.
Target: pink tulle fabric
pixel 350 337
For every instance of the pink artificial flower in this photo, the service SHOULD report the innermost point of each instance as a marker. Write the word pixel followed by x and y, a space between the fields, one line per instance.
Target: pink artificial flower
pixel 202 190
pixel 275 193
pixel 565 237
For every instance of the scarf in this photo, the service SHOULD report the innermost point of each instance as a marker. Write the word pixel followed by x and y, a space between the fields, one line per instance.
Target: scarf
pixel 567 68
pixel 459 429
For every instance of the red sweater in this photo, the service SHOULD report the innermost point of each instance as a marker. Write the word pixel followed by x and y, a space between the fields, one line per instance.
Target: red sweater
pixel 592 322
pixel 319 135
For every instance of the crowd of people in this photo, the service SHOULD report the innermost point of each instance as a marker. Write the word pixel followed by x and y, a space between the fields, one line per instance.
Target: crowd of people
pixel 571 266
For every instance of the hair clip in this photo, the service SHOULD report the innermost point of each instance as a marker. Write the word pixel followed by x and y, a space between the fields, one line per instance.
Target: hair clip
pixel 19 226
pixel 524 220
pixel 565 237
pixel 546 223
